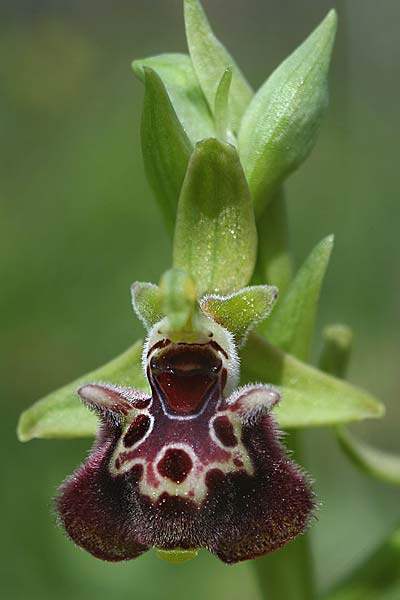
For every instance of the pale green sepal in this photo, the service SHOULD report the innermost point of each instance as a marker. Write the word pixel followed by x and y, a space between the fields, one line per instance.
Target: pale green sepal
pixel 378 464
pixel 291 324
pixel 177 73
pixel 62 415
pixel 179 299
pixel 310 398
pixel 215 235
pixel 147 302
pixel 242 311
pixel 280 126
pixel 177 555
pixel 210 60
pixel 274 262
pixel 165 145
pixel 336 350
pixel 221 110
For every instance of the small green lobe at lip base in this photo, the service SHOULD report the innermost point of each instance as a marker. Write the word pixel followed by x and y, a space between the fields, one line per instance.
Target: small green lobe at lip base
pixel 177 556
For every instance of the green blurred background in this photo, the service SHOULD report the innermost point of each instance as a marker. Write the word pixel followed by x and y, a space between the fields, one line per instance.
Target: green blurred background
pixel 79 224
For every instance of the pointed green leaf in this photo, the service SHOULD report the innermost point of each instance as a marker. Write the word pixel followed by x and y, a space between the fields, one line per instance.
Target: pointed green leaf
pixel 210 60
pixel 215 235
pixel 274 262
pixel 280 126
pixel 177 74
pixel 179 299
pixel 291 324
pixel 147 303
pixel 310 398
pixel 378 464
pixel 62 415
pixel 242 311
pixel 165 145
pixel 335 355
pixel 221 110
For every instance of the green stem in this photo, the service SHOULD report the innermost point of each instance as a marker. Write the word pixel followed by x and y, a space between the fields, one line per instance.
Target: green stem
pixel 287 574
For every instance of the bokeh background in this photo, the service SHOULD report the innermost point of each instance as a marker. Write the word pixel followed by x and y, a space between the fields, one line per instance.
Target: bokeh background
pixel 79 224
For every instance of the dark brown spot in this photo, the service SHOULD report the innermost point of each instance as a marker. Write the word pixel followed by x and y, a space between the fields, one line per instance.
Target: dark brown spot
pixel 175 464
pixel 214 479
pixel 237 462
pixel 137 430
pixel 224 431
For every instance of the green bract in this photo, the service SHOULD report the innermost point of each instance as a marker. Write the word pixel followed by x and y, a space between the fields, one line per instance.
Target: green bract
pixel 179 79
pixel 215 234
pixel 279 127
pixel 221 110
pixel 210 60
pixel 291 324
pixel 165 144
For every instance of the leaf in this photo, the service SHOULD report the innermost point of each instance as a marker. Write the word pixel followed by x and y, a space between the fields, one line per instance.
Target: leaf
pixel 147 303
pixel 178 76
pixel 310 398
pixel 280 126
pixel 274 262
pixel 242 311
pixel 215 236
pixel 179 299
pixel 62 415
pixel 221 110
pixel 210 60
pixel 165 145
pixel 378 464
pixel 378 578
pixel 291 324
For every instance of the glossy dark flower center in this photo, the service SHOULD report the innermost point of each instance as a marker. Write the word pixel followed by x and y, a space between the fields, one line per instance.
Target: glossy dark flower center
pixel 185 374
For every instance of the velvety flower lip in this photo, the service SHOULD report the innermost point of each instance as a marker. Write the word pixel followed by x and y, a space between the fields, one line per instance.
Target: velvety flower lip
pixel 188 466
